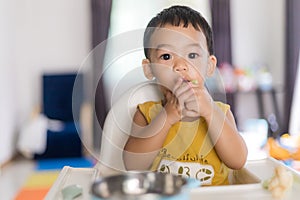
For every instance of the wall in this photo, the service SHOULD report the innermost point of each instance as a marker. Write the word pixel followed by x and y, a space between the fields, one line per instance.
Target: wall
pixel 52 36
pixel 43 36
pixel 7 84
pixel 258 38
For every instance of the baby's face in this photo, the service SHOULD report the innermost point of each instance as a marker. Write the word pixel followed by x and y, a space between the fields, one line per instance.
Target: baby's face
pixel 177 52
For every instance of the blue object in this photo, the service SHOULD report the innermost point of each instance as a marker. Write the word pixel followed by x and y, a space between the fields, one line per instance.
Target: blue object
pixel 184 194
pixel 59 163
pixel 62 144
pixel 57 95
pixel 58 104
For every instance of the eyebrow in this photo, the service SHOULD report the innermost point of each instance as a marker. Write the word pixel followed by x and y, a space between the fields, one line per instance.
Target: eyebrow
pixel 195 45
pixel 169 46
pixel 161 46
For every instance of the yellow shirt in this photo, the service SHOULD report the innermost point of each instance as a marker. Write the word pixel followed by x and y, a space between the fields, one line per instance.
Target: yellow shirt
pixel 187 149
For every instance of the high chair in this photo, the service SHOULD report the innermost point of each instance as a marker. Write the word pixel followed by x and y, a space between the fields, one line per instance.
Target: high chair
pixel 117 126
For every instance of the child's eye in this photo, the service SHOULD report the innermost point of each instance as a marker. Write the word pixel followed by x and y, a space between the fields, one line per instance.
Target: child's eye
pixel 193 55
pixel 165 56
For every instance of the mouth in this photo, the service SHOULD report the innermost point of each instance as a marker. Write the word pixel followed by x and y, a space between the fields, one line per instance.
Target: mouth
pixel 186 78
pixel 189 80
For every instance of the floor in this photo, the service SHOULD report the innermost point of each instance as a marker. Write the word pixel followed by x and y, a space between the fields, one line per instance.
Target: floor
pixel 13 176
pixel 24 175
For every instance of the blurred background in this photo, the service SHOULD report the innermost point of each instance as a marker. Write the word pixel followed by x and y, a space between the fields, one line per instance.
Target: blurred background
pixel 257 46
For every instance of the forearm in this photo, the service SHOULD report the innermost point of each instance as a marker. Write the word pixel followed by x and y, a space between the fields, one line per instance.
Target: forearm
pixel 139 161
pixel 228 143
pixel 149 138
pixel 142 148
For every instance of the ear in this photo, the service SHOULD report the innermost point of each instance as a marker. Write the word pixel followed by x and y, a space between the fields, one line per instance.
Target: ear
pixel 147 69
pixel 212 63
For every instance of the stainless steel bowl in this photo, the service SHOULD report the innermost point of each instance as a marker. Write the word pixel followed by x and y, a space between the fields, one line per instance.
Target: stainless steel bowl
pixel 133 184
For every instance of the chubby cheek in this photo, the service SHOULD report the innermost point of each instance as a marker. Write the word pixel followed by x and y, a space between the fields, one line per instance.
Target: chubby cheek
pixel 165 76
pixel 199 75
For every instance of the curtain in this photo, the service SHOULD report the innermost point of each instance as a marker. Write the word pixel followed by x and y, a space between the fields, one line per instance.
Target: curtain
pixel 292 54
pixel 220 10
pixel 100 26
pixel 221 28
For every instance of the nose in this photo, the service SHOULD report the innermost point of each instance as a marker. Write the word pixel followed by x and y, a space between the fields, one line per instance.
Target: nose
pixel 180 65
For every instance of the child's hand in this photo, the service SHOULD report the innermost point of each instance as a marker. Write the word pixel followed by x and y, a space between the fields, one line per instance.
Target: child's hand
pixel 193 98
pixel 199 104
pixel 171 108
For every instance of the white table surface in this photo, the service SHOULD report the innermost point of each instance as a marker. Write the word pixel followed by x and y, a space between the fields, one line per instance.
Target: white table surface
pixel 263 169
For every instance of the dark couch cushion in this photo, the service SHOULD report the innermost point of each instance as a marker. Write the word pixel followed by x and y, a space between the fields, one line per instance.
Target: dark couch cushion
pixel 63 143
pixel 57 95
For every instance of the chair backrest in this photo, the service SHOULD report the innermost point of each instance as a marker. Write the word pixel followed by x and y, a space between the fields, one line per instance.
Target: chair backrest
pixel 117 126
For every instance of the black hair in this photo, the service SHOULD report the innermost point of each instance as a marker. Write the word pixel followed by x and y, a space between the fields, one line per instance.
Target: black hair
pixel 177 15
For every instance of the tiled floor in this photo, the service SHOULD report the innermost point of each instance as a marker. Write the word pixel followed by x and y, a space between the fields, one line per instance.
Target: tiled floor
pixel 13 175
